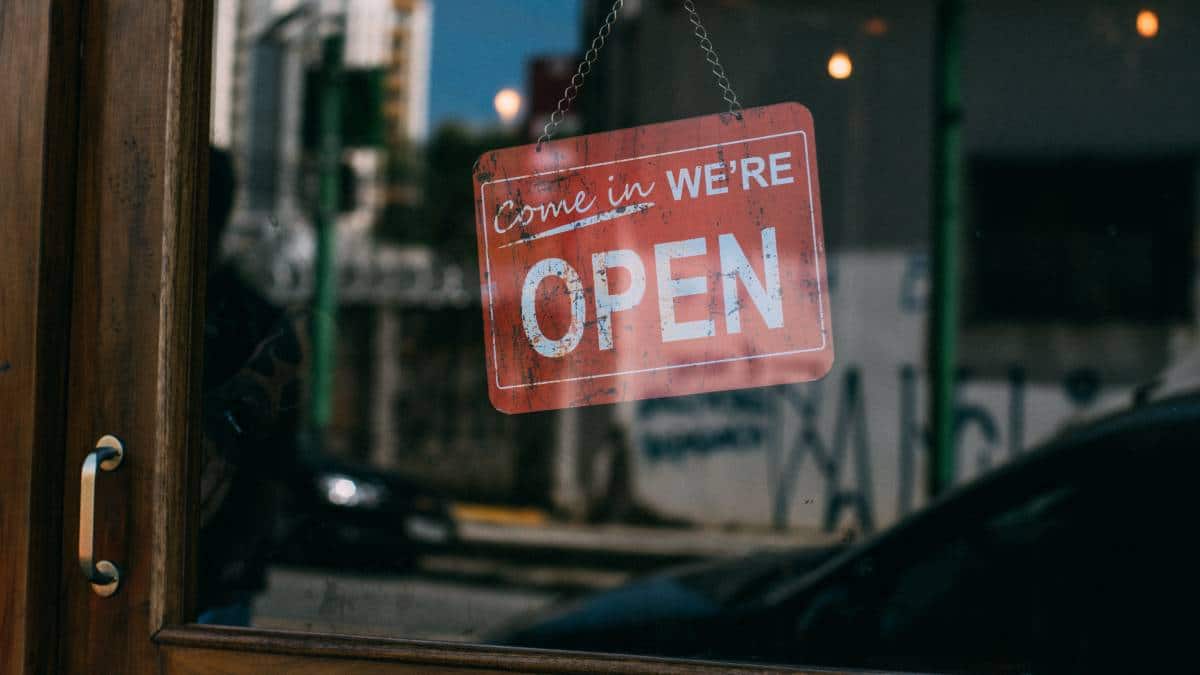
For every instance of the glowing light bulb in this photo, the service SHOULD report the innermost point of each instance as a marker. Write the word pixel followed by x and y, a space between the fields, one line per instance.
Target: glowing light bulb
pixel 840 65
pixel 508 104
pixel 1147 23
pixel 876 26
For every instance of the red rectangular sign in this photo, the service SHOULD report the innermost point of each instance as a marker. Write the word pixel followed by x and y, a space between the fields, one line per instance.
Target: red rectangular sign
pixel 662 260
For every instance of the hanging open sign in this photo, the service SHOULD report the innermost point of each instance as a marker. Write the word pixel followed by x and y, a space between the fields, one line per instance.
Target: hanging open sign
pixel 661 260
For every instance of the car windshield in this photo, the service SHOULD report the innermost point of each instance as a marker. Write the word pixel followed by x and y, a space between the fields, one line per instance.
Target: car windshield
pixel 822 333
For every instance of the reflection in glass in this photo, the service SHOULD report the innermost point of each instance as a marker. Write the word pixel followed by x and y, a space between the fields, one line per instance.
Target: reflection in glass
pixel 781 524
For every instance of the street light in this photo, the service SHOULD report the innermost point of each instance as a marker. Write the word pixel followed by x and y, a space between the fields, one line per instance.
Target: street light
pixel 508 104
pixel 840 65
pixel 1147 23
pixel 876 26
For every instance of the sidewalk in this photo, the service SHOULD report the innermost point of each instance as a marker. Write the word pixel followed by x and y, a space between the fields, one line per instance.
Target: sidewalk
pixel 532 532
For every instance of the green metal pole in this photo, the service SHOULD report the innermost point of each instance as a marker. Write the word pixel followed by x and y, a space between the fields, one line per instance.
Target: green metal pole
pixel 947 223
pixel 324 313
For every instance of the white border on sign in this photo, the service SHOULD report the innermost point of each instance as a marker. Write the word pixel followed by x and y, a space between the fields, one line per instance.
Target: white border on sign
pixel 816 261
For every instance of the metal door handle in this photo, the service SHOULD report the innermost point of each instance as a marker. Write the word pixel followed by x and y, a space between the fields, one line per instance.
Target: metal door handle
pixel 104 576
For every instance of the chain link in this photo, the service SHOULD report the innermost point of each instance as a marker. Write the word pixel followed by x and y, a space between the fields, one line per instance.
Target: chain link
pixel 593 53
pixel 585 67
pixel 710 55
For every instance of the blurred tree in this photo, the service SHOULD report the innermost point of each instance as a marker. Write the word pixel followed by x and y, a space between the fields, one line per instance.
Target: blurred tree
pixel 444 217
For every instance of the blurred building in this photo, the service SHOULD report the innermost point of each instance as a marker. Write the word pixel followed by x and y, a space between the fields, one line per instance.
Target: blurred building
pixel 407 107
pixel 546 79
pixel 1078 256
pixel 404 396
pixel 265 52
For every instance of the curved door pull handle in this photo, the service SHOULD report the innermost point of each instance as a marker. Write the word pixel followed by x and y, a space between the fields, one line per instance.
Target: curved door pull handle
pixel 104 576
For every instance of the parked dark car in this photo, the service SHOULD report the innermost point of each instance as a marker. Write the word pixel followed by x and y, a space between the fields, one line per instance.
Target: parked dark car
pixel 1061 561
pixel 353 514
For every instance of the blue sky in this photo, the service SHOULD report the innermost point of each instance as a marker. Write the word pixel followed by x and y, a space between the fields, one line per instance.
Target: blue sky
pixel 481 46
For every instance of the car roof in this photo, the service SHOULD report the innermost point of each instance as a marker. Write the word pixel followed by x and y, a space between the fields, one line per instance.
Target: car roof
pixel 1042 466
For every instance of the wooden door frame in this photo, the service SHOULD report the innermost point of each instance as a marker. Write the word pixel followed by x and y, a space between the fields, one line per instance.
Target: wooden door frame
pixel 139 248
pixel 39 59
pixel 135 339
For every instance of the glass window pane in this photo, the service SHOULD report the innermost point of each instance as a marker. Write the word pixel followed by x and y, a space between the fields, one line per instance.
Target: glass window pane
pixel 357 479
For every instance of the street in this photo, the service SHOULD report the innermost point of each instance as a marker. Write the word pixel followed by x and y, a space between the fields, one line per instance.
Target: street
pixel 402 606
pixel 496 574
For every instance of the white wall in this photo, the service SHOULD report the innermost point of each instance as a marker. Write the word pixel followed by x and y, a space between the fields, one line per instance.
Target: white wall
pixel 224 54
pixel 704 459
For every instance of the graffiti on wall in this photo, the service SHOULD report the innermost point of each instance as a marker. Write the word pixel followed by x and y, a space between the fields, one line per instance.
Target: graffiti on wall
pixel 842 455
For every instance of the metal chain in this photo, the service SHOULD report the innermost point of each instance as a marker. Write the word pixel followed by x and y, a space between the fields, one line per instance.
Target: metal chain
pixel 710 52
pixel 585 67
pixel 593 53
